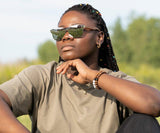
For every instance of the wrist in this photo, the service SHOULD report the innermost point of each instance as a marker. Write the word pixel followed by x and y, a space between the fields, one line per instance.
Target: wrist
pixel 95 80
pixel 91 75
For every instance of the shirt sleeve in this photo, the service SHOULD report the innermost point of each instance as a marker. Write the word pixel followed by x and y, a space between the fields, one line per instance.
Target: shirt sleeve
pixel 25 89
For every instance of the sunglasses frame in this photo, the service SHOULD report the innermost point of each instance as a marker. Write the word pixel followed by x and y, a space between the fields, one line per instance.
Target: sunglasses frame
pixel 75 30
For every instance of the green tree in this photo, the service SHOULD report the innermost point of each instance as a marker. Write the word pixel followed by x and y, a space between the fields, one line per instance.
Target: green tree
pixel 139 42
pixel 153 41
pixel 119 41
pixel 136 33
pixel 143 39
pixel 47 51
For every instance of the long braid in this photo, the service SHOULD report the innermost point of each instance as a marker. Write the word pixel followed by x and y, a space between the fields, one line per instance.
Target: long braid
pixel 106 57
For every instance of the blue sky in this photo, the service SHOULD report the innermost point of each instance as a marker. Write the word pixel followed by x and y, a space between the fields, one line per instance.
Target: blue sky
pixel 25 24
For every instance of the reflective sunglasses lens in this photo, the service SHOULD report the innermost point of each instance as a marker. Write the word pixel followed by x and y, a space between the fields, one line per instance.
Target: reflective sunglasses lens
pixel 58 35
pixel 76 32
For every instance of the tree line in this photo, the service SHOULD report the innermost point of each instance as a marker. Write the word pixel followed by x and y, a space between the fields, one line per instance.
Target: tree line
pixel 138 43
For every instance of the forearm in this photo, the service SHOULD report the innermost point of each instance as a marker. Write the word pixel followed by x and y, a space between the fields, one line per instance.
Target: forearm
pixel 140 98
pixel 8 122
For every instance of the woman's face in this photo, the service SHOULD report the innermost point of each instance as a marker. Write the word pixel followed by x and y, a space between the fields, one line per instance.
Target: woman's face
pixel 84 47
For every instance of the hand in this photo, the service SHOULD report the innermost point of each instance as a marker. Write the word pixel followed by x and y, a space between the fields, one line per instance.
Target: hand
pixel 77 70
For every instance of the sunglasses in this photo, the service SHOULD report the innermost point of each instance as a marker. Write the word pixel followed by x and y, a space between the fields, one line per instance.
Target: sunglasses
pixel 75 30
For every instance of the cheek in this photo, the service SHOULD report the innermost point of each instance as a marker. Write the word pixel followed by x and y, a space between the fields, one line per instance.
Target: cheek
pixel 88 42
pixel 86 47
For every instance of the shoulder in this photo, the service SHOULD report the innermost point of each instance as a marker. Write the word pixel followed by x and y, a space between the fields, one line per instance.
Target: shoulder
pixel 39 73
pixel 120 74
pixel 41 69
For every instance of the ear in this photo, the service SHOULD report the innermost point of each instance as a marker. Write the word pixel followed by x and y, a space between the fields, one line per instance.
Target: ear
pixel 100 37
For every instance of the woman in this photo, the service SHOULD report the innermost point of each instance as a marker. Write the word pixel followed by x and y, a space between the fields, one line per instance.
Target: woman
pixel 85 92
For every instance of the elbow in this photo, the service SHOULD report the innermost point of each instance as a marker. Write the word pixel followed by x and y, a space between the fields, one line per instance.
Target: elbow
pixel 152 108
pixel 155 109
pixel 152 105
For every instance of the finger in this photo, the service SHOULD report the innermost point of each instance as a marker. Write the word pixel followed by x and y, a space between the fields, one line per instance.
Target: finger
pixel 78 79
pixel 72 70
pixel 61 67
pixel 64 67
pixel 70 76
pixel 59 70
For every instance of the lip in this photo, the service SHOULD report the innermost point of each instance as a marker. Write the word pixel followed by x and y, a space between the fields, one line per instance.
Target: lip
pixel 67 47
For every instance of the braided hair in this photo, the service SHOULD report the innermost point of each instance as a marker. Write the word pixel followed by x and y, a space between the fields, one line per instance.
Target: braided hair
pixel 106 57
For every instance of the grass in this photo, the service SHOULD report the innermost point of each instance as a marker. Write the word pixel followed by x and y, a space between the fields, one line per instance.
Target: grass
pixel 25 120
pixel 144 73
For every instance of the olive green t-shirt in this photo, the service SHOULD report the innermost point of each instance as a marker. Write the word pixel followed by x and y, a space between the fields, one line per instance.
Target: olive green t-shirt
pixel 59 105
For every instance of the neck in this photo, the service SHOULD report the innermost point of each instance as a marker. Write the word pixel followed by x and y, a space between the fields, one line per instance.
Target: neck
pixel 94 66
pixel 92 60
pixel 92 63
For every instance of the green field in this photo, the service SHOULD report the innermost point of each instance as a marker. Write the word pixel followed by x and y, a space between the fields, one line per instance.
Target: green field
pixel 25 120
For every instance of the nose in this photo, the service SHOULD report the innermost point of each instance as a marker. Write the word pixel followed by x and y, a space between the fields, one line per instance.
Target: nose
pixel 67 36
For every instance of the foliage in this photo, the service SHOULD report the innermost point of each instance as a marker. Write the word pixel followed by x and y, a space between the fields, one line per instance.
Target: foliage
pixel 119 39
pixel 139 42
pixel 144 73
pixel 47 52
pixel 8 71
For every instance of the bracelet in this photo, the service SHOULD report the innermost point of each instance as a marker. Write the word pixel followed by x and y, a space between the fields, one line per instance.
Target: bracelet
pixel 95 80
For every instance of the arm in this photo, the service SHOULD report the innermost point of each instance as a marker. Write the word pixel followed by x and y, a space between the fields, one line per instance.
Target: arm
pixel 138 97
pixel 8 122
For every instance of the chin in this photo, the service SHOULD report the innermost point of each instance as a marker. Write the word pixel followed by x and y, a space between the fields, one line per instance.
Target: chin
pixel 69 58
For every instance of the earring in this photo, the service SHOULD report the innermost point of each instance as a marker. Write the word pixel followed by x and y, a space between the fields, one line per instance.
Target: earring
pixel 98 45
